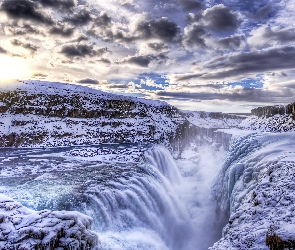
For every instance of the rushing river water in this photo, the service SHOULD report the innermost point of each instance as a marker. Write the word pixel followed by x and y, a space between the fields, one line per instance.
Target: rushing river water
pixel 137 194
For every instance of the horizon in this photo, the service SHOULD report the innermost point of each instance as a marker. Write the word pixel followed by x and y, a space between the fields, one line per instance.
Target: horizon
pixel 214 56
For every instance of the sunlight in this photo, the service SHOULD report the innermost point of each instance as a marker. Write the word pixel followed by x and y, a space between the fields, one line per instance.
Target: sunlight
pixel 12 69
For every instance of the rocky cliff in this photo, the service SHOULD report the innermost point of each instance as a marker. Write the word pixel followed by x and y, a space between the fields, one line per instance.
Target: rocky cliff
pixel 269 111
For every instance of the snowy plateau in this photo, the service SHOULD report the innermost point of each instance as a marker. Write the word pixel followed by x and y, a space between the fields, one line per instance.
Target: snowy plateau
pixel 84 169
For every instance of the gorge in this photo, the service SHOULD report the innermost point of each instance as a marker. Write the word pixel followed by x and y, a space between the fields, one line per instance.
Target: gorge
pixel 141 173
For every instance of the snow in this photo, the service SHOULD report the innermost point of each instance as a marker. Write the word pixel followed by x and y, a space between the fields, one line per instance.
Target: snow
pixel 23 228
pixel 276 123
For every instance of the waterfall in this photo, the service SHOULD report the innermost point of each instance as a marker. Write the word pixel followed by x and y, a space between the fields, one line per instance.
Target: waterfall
pixel 133 205
pixel 162 160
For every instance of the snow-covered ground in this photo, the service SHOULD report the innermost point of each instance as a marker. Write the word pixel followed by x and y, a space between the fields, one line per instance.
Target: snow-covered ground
pixel 213 120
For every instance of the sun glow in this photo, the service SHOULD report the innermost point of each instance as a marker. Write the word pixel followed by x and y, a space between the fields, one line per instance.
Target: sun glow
pixel 12 69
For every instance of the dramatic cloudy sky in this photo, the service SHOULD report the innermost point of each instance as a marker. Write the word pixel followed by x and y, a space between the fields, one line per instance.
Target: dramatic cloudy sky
pixel 196 54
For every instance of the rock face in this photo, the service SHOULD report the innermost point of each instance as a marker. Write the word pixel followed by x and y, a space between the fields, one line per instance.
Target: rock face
pixel 23 228
pixel 208 124
pixel 48 114
pixel 269 111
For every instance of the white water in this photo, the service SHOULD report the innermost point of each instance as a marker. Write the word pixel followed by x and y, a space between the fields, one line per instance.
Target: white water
pixel 157 204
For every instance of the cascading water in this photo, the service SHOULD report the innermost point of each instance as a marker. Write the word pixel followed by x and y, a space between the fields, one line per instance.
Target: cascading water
pixel 144 203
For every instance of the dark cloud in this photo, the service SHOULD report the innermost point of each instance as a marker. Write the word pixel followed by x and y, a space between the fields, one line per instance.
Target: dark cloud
pixel 162 29
pixel 29 46
pixel 117 86
pixel 105 61
pixel 82 50
pixel 157 46
pixel 234 94
pixel 232 42
pixel 62 30
pixel 282 36
pixel 16 29
pixel 88 80
pixel 25 9
pixel 144 61
pixel 2 51
pixel 194 36
pixel 80 18
pixel 61 4
pixel 190 5
pixel 246 63
pixel 263 13
pixel 82 38
pixel 102 20
pixel 221 18
pixel 39 76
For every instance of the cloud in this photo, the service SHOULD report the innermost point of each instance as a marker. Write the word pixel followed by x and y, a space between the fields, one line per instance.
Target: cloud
pixel 40 76
pixel 62 30
pixel 82 50
pixel 190 5
pixel 62 4
pixel 221 18
pixel 232 42
pixel 25 9
pixel 194 36
pixel 17 29
pixel 162 29
pixel 29 46
pixel 157 46
pixel 143 61
pixel 79 18
pixel 240 65
pixel 237 94
pixel 2 51
pixel 265 36
pixel 117 86
pixel 263 13
pixel 88 80
pixel 102 20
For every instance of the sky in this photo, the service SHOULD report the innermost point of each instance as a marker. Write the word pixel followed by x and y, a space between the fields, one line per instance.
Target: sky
pixel 227 56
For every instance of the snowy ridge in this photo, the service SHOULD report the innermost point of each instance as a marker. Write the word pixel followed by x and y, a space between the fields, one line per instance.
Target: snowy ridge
pixel 255 190
pixel 213 119
pixel 276 123
pixel 23 228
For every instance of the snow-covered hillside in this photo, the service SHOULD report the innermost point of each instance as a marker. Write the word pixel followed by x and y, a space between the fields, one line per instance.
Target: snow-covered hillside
pixel 276 123
pixel 56 114
pixel 255 189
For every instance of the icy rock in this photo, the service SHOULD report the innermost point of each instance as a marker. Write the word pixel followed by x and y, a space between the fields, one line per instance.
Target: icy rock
pixel 23 228
pixel 259 204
